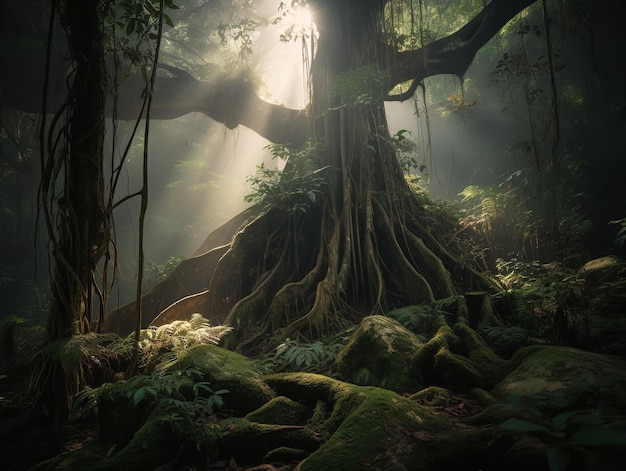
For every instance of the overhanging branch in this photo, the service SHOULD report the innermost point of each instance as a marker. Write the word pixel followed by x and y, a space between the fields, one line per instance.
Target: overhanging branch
pixel 454 53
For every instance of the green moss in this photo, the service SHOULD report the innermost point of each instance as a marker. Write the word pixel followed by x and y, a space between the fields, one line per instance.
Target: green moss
pixel 378 354
pixel 571 377
pixel 225 369
pixel 369 427
pixel 455 371
pixel 151 446
pixel 490 365
pixel 281 410
pixel 484 398
pixel 373 431
pixel 250 441
pixel 433 396
pixel 423 362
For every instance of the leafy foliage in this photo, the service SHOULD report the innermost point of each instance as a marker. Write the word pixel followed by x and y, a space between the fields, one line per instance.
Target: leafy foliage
pixel 295 30
pixel 564 435
pixel 154 273
pixel 555 304
pixel 191 402
pixel 412 164
pixel 131 28
pixel 293 355
pixel 159 344
pixel 364 86
pixel 239 35
pixel 511 227
pixel 296 188
pixel 93 355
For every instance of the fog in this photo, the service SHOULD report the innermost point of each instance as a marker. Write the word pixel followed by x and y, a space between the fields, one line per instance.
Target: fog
pixel 197 168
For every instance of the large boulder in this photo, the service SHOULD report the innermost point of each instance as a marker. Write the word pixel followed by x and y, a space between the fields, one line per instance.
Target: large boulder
pixel 225 369
pixel 379 354
pixel 567 378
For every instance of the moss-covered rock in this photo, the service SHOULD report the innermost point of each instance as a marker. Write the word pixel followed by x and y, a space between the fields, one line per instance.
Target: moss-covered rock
pixel 378 354
pixel 577 378
pixel 603 269
pixel 225 369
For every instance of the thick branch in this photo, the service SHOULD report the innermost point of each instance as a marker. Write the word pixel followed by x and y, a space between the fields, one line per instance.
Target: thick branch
pixel 454 53
pixel 228 101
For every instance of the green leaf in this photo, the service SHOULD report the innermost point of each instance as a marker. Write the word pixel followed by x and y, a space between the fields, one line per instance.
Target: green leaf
pixel 219 402
pixel 168 20
pixel 139 396
pixel 598 436
pixel 561 421
pixel 130 27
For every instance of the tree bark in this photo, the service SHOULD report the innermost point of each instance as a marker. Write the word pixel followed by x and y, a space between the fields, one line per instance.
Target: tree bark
pixel 77 220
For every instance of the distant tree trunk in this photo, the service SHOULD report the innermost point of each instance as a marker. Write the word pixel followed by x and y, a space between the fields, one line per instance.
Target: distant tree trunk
pixel 77 220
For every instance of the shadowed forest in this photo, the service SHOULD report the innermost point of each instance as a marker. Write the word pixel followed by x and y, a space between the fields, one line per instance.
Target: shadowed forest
pixel 312 235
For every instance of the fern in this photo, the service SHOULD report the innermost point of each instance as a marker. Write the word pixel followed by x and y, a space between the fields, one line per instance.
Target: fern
pixel 563 435
pixel 82 354
pixel 293 355
pixel 163 344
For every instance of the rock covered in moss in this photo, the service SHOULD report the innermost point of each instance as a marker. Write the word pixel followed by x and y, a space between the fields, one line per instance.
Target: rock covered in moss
pixel 224 369
pixel 379 354
pixel 602 269
pixel 571 378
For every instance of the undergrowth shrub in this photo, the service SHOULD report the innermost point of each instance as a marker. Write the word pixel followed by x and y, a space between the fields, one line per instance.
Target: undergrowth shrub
pixel 583 434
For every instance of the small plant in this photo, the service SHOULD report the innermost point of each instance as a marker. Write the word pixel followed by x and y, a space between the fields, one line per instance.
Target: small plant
pixel 192 405
pixel 296 188
pixel 583 432
pixel 154 273
pixel 294 355
pixel 158 344
pixel 555 304
pixel 92 357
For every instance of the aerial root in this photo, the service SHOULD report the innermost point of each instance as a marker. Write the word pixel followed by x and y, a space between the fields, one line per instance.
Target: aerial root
pixel 412 284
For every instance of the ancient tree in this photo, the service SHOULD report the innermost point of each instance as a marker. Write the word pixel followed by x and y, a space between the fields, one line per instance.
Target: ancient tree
pixel 365 245
pixel 362 242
